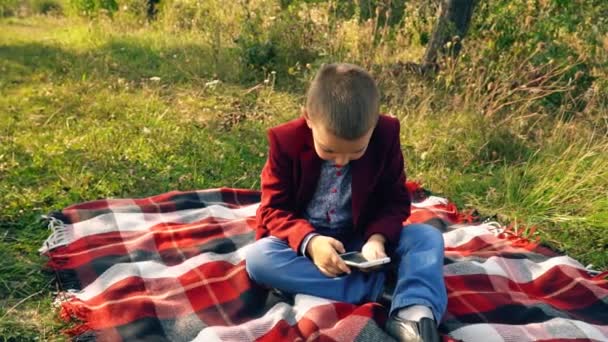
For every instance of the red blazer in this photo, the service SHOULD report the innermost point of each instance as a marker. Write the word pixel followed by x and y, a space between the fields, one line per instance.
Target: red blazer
pixel 380 200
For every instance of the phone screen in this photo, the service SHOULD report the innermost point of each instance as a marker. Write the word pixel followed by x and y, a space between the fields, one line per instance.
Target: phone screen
pixel 354 257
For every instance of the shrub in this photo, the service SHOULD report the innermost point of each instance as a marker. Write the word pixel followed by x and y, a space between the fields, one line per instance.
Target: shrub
pixel 94 7
pixel 53 7
pixel 134 11
pixel 282 41
pixel 8 7
pixel 549 45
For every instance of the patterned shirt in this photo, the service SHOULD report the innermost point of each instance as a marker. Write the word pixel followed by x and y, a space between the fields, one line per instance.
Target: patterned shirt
pixel 330 206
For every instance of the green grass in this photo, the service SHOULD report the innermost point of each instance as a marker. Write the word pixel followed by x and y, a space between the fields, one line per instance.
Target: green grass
pixel 81 119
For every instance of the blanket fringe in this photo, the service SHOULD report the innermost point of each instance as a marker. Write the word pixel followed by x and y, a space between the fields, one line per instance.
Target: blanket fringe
pixel 513 234
pixel 600 276
pixel 61 234
pixel 71 309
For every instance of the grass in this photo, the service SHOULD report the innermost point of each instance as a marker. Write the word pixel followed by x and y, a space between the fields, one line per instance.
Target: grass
pixel 74 129
pixel 95 109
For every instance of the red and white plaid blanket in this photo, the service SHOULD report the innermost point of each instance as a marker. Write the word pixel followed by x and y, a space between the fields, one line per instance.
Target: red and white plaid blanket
pixel 170 267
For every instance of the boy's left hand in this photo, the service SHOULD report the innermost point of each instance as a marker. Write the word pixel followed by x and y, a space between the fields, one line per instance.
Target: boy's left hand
pixel 374 247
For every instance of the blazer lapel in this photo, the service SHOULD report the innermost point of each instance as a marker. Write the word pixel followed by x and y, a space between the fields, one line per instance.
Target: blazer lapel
pixel 310 170
pixel 364 177
pixel 362 182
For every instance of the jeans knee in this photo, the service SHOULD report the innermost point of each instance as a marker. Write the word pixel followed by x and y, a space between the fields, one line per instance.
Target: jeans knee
pixel 423 235
pixel 255 260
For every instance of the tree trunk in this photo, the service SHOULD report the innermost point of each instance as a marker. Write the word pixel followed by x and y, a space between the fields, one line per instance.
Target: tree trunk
pixel 451 26
pixel 152 9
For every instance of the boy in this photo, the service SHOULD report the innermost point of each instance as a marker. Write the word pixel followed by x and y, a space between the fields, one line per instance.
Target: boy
pixel 334 182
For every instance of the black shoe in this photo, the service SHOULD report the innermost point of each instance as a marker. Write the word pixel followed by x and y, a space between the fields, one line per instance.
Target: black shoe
pixel 409 331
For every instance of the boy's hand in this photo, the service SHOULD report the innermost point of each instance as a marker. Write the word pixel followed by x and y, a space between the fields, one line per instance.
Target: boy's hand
pixel 374 247
pixel 323 251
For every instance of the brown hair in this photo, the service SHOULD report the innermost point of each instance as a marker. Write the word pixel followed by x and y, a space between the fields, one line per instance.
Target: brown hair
pixel 344 98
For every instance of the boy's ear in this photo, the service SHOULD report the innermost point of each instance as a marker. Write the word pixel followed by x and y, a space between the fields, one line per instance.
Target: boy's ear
pixel 306 117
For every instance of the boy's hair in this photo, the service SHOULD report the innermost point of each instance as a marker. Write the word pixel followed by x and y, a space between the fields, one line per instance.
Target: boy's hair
pixel 345 99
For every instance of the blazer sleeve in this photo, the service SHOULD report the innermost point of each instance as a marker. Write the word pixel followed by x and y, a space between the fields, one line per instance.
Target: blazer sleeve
pixel 395 199
pixel 276 211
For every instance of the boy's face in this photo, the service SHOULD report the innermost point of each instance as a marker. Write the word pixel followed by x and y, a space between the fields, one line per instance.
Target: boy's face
pixel 333 148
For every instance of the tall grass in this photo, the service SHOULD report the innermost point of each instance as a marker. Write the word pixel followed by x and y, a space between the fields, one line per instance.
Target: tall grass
pixel 116 106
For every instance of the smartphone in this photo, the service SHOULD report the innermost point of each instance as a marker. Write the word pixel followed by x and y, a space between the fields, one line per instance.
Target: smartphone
pixel 356 259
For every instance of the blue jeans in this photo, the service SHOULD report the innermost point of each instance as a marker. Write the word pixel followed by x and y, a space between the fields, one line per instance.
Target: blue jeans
pixel 419 264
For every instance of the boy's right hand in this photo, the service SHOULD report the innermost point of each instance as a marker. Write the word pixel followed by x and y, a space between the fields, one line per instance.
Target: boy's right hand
pixel 323 250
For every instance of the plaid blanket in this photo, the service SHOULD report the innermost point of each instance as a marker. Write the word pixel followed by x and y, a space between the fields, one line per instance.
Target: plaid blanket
pixel 170 267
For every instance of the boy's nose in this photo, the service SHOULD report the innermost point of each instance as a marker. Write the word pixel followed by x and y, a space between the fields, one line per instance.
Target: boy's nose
pixel 343 160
